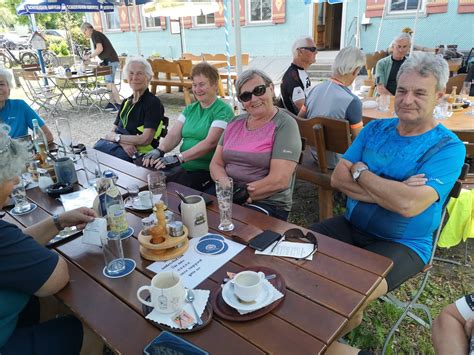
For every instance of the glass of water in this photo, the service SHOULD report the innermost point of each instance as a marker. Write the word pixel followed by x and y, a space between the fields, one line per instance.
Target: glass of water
pixel 91 165
pixel 157 186
pixel 466 89
pixel 383 102
pixel 22 204
pixel 224 191
pixel 133 191
pixel 113 253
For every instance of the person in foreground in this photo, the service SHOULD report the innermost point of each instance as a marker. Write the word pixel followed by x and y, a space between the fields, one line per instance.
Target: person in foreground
pixel 397 175
pixel 29 270
pixel 199 126
pixel 334 99
pixel 454 328
pixel 295 83
pixel 139 123
pixel 259 150
pixel 16 112
pixel 387 68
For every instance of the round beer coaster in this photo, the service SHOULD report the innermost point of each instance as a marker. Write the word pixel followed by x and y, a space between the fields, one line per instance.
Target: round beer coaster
pixel 212 236
pixel 129 267
pixel 210 246
pixel 126 234
pixel 31 209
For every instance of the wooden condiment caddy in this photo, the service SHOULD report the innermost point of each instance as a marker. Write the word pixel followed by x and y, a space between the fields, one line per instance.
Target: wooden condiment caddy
pixel 158 245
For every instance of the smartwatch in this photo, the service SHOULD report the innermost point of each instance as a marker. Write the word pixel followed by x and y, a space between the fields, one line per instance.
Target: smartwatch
pixel 117 138
pixel 357 172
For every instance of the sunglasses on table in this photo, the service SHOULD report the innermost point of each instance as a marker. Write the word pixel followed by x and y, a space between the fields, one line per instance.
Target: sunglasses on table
pixel 257 91
pixel 311 49
pixel 297 235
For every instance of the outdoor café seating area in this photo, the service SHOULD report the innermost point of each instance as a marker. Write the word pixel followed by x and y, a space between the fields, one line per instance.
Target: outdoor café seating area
pixel 161 259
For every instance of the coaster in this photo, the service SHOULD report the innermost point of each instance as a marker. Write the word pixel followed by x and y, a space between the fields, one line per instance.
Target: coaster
pixel 129 267
pixel 209 246
pixel 32 208
pixel 127 234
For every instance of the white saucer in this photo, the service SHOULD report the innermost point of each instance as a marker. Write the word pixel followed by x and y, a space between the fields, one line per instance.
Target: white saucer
pixel 31 209
pixel 138 207
pixel 231 299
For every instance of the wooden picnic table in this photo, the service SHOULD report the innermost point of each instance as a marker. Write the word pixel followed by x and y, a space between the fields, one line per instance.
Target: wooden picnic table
pixel 322 294
pixel 460 121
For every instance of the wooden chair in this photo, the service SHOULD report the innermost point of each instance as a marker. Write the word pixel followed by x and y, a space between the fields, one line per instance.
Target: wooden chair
pixel 412 304
pixel 173 76
pixel 322 134
pixel 245 59
pixel 370 63
pixel 457 81
pixel 31 67
pixel 191 56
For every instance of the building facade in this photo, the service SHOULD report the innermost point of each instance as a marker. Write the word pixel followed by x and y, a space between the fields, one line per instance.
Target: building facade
pixel 269 27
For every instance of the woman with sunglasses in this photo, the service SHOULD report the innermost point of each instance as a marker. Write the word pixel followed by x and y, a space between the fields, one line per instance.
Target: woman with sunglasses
pixel 199 127
pixel 260 149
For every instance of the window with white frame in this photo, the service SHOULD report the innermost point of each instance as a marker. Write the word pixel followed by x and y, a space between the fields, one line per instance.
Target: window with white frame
pixel 259 10
pixel 398 6
pixel 204 20
pixel 150 21
pixel 112 20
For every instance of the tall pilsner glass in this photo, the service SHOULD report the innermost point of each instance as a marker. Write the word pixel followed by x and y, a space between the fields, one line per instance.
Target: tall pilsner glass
pixel 224 191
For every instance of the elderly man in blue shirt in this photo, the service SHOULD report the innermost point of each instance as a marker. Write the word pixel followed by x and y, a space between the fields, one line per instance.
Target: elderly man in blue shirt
pixel 397 175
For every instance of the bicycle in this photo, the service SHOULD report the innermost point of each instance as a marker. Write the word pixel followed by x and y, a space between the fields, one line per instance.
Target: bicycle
pixel 8 58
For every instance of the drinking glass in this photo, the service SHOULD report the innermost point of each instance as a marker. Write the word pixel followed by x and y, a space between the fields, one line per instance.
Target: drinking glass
pixel 113 253
pixel 65 137
pixel 383 102
pixel 224 191
pixel 91 165
pixel 466 88
pixel 157 187
pixel 22 204
pixel 133 191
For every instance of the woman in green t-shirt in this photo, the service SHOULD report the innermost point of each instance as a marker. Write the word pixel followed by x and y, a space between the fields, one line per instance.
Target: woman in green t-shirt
pixel 199 127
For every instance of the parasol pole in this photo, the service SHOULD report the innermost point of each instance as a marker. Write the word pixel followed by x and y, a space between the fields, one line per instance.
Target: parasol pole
pixel 380 27
pixel 230 89
pixel 414 28
pixel 137 35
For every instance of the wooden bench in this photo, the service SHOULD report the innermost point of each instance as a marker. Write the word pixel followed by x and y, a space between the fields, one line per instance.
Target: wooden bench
pixel 173 76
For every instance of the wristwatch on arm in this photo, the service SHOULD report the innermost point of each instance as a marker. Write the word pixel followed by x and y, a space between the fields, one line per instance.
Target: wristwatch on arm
pixel 117 138
pixel 358 171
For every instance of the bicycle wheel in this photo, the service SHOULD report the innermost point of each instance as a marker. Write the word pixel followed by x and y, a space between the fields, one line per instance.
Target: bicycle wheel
pixel 5 61
pixel 29 58
pixel 50 59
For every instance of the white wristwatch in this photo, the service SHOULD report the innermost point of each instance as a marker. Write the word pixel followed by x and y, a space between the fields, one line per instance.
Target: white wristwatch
pixel 117 138
pixel 357 172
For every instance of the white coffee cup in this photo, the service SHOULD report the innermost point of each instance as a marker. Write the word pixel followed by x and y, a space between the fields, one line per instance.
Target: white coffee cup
pixel 166 291
pixel 248 285
pixel 145 198
pixel 194 216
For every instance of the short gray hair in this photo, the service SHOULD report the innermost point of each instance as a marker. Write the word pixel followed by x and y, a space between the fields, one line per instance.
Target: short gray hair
pixel 400 37
pixel 86 26
pixel 13 155
pixel 248 75
pixel 300 42
pixel 424 64
pixel 347 60
pixel 140 60
pixel 8 77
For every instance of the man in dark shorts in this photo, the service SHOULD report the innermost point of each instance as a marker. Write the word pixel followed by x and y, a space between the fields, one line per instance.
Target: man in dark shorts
pixel 106 52
pixel 387 68
pixel 295 83
pixel 397 175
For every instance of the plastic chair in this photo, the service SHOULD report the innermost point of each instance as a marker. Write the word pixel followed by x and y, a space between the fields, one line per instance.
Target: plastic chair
pixel 412 304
